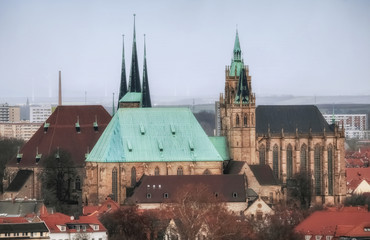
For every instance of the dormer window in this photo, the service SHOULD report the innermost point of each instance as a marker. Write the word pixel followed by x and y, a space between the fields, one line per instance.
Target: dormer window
pixel 160 146
pixel 38 155
pixel 96 127
pixel 46 127
pixel 77 125
pixel 142 129
pixel 235 194
pixel 165 195
pixel 19 157
pixel 191 145
pixel 148 195
pixel 129 146
pixel 173 130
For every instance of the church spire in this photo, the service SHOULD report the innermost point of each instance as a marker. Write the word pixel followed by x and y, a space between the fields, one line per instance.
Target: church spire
pixel 237 49
pixel 242 93
pixel 134 84
pixel 146 102
pixel 123 86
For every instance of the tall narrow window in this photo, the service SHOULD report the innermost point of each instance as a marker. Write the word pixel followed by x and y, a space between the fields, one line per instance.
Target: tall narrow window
pixel 317 171
pixel 289 162
pixel 114 184
pixel 180 171
pixel 245 120
pixel 237 120
pixel 303 162
pixel 275 161
pixel 262 151
pixel 330 169
pixel 78 183
pixel 156 171
pixel 133 176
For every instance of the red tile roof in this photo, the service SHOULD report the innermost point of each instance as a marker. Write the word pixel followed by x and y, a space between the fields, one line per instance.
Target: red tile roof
pixel 355 177
pixel 334 222
pixel 107 206
pixel 62 133
pixel 13 220
pixel 53 220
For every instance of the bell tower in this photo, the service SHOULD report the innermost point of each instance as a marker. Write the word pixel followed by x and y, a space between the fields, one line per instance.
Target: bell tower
pixel 238 108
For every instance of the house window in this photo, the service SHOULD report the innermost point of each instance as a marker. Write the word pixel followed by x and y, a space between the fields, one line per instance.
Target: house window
pixel 317 169
pixel 262 151
pixel 259 216
pixel 156 171
pixel 330 170
pixel 289 162
pixel 133 176
pixel 304 158
pixel 148 195
pixel 275 161
pixel 114 184
pixel 180 171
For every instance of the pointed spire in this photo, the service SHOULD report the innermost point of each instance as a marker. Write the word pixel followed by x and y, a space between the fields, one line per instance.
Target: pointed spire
pixel 242 94
pixel 123 86
pixel 134 84
pixel 237 49
pixel 145 102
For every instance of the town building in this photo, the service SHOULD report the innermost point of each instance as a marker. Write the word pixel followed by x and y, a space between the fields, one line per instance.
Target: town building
pixel 24 230
pixel 62 226
pixel 72 130
pixel 355 125
pixel 21 130
pixel 156 192
pixel 289 139
pixel 358 181
pixel 9 113
pixel 336 223
pixel 39 113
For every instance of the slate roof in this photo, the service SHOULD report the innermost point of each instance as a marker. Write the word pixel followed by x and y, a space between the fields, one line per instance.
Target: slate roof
pixel 62 133
pixel 224 185
pixel 20 208
pixel 290 117
pixel 23 227
pixel 19 180
pixel 153 135
pixel 263 174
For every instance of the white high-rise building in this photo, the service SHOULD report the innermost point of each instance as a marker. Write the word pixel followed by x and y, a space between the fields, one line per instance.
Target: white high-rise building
pixel 355 125
pixel 39 114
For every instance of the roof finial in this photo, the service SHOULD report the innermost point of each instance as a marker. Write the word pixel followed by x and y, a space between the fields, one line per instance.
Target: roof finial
pixel 144 47
pixel 134 28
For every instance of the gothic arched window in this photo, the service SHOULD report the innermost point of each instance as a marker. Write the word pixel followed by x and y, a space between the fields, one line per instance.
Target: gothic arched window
pixel 180 171
pixel 289 162
pixel 303 162
pixel 237 120
pixel 156 171
pixel 262 152
pixel 330 169
pixel 275 161
pixel 317 169
pixel 114 184
pixel 133 176
pixel 245 121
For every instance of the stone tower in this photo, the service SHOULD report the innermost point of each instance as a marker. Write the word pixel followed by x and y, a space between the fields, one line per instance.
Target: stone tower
pixel 237 109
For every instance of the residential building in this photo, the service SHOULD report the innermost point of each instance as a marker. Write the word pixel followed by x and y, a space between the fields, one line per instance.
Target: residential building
pixel 355 125
pixel 9 113
pixel 39 114
pixel 358 181
pixel 21 130
pixel 336 223
pixel 62 226
pixel 24 230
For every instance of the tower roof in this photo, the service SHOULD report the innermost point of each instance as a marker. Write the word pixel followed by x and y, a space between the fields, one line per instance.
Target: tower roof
pixel 237 62
pixel 242 93
pixel 123 86
pixel 146 102
pixel 134 84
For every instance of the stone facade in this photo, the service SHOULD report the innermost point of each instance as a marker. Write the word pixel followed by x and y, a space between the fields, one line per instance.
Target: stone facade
pixel 115 179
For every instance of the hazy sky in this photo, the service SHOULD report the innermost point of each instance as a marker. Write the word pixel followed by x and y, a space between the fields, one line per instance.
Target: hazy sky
pixel 291 47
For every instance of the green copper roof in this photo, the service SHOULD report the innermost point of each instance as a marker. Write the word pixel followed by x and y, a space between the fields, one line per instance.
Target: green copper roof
pixel 237 61
pixel 131 97
pixel 153 135
pixel 220 144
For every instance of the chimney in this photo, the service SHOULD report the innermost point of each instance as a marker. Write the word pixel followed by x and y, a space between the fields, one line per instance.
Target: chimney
pixel 60 89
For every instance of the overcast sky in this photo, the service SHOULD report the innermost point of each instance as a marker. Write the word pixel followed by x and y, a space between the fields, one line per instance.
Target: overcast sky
pixel 292 47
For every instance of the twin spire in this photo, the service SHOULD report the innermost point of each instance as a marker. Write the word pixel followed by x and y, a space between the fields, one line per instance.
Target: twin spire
pixel 134 85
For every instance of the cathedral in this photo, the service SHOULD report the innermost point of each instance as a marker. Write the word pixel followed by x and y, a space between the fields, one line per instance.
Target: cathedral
pixel 268 144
